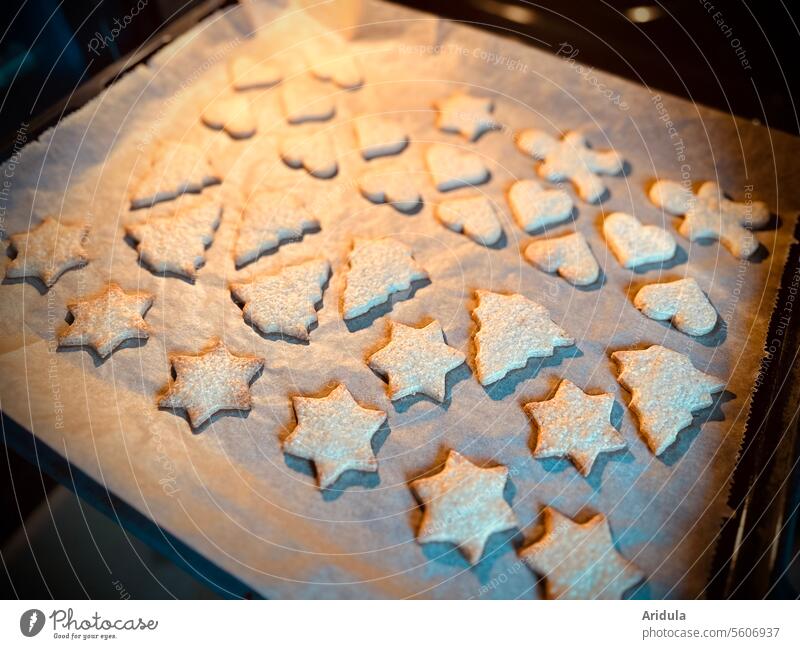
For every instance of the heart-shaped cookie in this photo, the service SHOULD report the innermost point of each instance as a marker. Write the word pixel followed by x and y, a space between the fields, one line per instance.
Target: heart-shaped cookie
pixel 570 256
pixel 390 182
pixel 476 217
pixel 379 136
pixel 534 207
pixel 453 167
pixel 682 301
pixel 231 113
pixel 313 151
pixel 634 244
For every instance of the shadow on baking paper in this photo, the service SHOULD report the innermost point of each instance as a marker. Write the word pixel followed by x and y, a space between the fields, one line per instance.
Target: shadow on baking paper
pixel 499 390
pixel 687 436
pixel 97 360
pixel 364 321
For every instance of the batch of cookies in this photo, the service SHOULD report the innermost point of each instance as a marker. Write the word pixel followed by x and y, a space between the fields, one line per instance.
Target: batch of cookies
pixel 464 503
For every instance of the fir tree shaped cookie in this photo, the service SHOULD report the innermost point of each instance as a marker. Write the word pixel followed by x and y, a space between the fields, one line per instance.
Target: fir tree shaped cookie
pixel 511 330
pixel 464 505
pixel 268 218
pixel 107 319
pixel 416 361
pixel 172 238
pixel 335 433
pixel 48 251
pixel 666 389
pixel 175 168
pixel 570 159
pixel 574 425
pixel 579 560
pixel 378 268
pixel 284 302
pixel 211 381
pixel 709 215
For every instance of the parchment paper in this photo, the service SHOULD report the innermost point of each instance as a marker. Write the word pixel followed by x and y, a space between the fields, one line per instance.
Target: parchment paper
pixel 228 491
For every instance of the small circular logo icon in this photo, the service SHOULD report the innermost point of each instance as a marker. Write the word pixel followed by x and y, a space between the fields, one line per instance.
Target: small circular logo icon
pixel 31 622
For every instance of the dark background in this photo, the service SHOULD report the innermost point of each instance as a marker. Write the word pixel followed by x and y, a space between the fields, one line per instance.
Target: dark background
pixel 48 69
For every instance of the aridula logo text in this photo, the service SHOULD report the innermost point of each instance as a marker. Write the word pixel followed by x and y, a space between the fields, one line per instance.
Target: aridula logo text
pixel 31 622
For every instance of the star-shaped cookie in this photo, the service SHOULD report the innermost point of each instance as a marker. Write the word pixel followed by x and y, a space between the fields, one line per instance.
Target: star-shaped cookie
pixel 464 505
pixel 105 320
pixel 575 425
pixel 416 361
pixel 47 251
pixel 335 433
pixel 213 380
pixel 511 330
pixel 284 302
pixel 666 389
pixel 579 561
pixel 467 115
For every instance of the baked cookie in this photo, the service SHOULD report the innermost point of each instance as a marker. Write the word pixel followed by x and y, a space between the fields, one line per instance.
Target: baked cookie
pixel 574 425
pixel 107 319
pixel 475 216
pixel 335 433
pixel 452 167
pixel 379 136
pixel 666 389
pixel 269 218
pixel 306 100
pixel 175 168
pixel 48 251
pixel 682 301
pixel 172 238
pixel 284 302
pixel 378 268
pixel 464 505
pixel 247 73
pixel 634 244
pixel 314 152
pixel 390 182
pixel 467 115
pixel 570 256
pixel 336 66
pixel 416 361
pixel 570 159
pixel 534 207
pixel 579 560
pixel 511 330
pixel 209 382
pixel 232 114
pixel 709 215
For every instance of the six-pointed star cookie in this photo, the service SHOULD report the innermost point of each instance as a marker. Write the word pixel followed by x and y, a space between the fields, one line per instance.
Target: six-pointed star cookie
pixel 579 561
pixel 335 433
pixel 105 320
pixel 210 381
pixel 416 361
pixel 47 251
pixel 469 116
pixel 464 505
pixel 575 425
